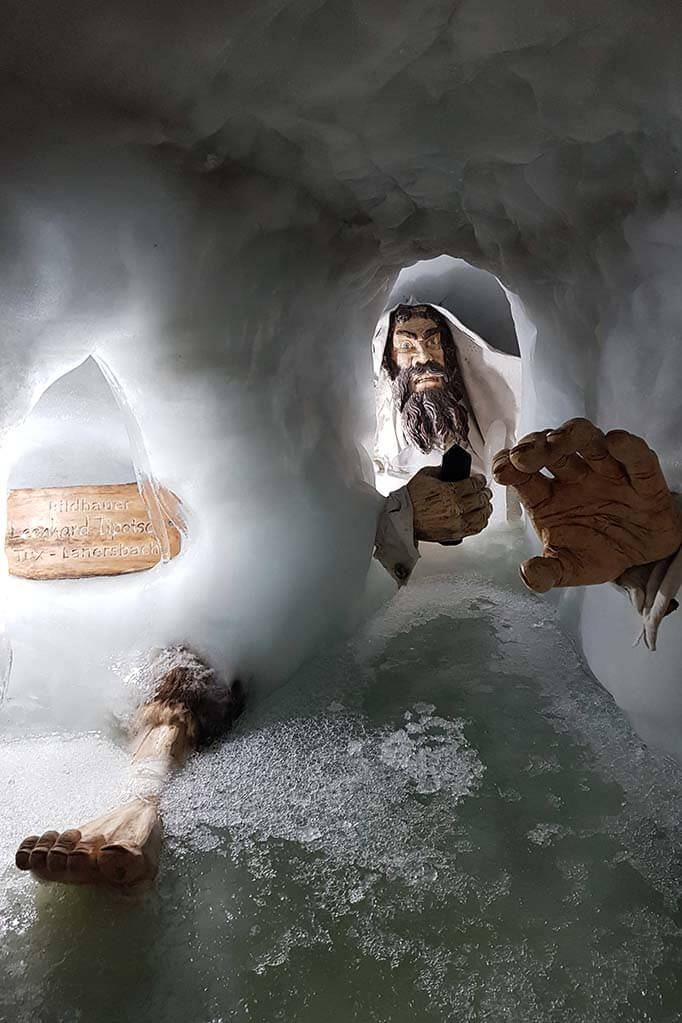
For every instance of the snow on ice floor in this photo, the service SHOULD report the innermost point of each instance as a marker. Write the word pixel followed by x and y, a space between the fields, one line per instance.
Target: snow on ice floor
pixel 443 819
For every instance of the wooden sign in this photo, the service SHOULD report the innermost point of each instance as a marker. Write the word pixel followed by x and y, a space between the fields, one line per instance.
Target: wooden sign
pixel 72 532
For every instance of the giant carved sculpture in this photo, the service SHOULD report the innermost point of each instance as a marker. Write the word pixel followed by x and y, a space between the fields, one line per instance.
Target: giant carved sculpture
pixel 604 515
pixel 607 508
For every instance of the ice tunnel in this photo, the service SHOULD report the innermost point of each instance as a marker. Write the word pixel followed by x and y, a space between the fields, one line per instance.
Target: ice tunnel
pixel 250 771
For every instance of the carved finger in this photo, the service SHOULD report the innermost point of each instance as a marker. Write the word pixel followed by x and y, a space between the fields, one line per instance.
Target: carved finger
pixel 471 485
pixel 504 472
pixel 553 450
pixel 532 488
pixel 536 451
pixel 556 450
pixel 594 553
pixel 634 586
pixel 541 574
pixel 653 584
pixel 474 523
pixel 581 436
pixel 638 460
pixel 474 501
pixel 24 851
pixel 664 603
pixel 531 452
pixel 569 468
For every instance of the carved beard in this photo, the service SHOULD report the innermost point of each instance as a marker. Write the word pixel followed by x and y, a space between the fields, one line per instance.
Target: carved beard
pixel 435 418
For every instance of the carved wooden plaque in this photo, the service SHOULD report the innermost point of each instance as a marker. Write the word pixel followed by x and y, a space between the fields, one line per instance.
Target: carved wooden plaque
pixel 72 532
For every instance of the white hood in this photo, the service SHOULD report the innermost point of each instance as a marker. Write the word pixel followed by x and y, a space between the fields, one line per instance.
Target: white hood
pixel 492 381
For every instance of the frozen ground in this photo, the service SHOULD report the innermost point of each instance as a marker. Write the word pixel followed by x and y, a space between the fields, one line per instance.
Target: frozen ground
pixel 443 819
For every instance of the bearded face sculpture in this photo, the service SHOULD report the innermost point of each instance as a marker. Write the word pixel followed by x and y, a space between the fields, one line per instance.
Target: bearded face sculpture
pixel 421 361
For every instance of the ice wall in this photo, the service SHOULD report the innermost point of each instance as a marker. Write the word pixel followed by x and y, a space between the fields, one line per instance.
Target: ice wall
pixel 215 197
pixel 607 347
pixel 233 314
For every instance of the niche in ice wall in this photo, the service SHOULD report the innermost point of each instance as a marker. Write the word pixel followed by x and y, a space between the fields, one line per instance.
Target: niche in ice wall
pixel 458 377
pixel 81 513
pixel 72 598
pixel 75 435
pixel 473 295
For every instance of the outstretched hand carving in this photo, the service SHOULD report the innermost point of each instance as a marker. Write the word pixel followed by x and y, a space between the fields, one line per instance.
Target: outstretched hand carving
pixel 607 508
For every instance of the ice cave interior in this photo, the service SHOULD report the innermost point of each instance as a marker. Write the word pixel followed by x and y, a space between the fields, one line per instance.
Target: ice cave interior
pixel 460 801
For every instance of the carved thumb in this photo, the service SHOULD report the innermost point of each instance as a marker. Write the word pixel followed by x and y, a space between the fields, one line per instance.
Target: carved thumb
pixel 541 574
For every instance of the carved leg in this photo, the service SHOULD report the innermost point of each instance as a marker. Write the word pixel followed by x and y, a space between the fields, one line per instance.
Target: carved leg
pixel 122 848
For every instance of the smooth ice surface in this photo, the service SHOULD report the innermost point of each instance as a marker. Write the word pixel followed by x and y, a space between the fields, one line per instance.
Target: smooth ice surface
pixel 444 818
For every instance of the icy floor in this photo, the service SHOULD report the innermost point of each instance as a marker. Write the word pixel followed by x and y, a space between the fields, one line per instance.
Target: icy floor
pixel 444 819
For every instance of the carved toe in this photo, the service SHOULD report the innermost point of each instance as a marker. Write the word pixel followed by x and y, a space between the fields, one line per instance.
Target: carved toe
pixel 24 851
pixel 38 857
pixel 82 864
pixel 58 856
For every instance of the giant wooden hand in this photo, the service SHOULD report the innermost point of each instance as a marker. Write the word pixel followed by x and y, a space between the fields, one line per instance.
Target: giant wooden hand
pixel 607 508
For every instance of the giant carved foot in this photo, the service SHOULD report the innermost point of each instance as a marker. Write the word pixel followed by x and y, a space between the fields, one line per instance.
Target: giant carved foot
pixel 120 849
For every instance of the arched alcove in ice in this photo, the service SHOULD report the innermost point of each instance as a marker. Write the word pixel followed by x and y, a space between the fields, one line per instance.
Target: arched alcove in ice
pixel 74 435
pixel 471 294
pixel 475 397
pixel 566 373
pixel 80 433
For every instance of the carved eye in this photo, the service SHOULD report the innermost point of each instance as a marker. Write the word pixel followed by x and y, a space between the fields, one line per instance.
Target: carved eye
pixel 433 340
pixel 404 346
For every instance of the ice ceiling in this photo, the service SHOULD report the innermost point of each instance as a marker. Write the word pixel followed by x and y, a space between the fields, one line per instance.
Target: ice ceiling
pixel 215 199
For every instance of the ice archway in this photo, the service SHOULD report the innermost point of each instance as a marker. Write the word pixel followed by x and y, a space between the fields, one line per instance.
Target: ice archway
pixel 222 223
